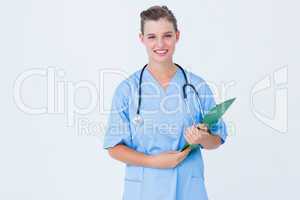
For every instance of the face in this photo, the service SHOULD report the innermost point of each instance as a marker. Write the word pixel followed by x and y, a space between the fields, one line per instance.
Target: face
pixel 159 39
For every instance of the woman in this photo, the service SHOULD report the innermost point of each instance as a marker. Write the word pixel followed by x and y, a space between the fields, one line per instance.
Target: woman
pixel 150 122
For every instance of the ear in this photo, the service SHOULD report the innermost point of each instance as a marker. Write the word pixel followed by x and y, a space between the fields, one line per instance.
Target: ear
pixel 141 36
pixel 177 35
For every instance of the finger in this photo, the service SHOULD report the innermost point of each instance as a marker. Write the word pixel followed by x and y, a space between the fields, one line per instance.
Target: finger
pixel 202 126
pixel 187 134
pixel 188 130
pixel 195 134
pixel 191 136
pixel 188 138
pixel 197 137
pixel 187 151
pixel 192 131
pixel 181 156
pixel 202 131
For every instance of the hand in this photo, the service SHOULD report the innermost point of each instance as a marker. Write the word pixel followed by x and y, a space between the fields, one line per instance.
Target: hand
pixel 194 135
pixel 168 159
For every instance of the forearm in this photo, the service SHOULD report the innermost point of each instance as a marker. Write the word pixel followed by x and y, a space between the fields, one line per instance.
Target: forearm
pixel 211 142
pixel 129 156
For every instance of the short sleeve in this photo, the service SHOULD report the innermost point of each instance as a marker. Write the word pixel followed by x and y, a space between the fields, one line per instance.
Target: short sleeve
pixel 208 102
pixel 118 128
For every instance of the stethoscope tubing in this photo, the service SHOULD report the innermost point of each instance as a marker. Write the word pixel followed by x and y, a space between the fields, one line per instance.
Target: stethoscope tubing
pixel 187 84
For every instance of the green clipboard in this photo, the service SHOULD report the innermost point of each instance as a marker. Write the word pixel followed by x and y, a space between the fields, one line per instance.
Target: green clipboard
pixel 211 118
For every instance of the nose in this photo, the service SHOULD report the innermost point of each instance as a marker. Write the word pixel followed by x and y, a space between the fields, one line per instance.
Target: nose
pixel 160 42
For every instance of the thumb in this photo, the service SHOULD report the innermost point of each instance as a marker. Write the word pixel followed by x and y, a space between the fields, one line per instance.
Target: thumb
pixel 187 150
pixel 202 127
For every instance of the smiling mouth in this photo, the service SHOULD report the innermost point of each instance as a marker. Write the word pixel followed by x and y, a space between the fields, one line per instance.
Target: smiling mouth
pixel 161 52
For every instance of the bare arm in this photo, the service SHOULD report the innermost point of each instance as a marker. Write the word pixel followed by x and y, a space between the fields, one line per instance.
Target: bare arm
pixel 129 156
pixel 164 160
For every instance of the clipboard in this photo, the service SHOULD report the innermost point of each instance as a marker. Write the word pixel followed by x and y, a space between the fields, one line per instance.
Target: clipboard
pixel 211 118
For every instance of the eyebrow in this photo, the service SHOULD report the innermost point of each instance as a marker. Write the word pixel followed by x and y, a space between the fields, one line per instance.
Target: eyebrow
pixel 163 33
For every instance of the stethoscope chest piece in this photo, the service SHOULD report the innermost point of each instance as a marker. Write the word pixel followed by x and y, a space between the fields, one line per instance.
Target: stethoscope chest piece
pixel 138 120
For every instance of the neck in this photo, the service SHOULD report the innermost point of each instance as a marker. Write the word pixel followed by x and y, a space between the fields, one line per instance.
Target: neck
pixel 162 67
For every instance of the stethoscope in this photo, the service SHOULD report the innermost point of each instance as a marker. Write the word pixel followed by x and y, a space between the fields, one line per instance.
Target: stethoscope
pixel 138 119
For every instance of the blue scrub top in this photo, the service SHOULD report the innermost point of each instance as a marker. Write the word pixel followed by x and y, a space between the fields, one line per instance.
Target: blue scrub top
pixel 166 117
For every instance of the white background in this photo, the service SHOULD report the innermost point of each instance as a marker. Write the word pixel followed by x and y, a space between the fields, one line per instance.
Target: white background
pixel 42 157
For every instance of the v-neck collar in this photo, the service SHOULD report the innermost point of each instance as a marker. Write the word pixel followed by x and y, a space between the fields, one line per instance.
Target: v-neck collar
pixel 167 88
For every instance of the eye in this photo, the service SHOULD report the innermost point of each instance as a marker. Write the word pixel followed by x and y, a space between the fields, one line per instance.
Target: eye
pixel 151 37
pixel 169 35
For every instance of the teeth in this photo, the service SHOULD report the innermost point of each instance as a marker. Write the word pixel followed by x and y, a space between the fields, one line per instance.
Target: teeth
pixel 161 51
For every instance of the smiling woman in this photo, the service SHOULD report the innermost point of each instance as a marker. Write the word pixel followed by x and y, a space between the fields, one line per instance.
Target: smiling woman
pixel 156 168
pixel 159 33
